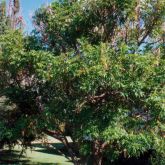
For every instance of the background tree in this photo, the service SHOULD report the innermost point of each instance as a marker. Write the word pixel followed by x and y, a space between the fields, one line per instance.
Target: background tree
pixel 137 23
pixel 2 17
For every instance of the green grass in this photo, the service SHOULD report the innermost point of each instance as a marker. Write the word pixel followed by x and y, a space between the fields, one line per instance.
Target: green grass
pixel 38 155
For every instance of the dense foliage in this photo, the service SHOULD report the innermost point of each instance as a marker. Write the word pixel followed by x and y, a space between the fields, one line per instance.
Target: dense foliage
pixel 101 80
pixel 133 22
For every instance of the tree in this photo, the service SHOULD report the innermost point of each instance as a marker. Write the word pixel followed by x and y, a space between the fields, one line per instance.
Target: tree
pixel 14 123
pixel 137 23
pixel 106 94
pixel 2 17
pixel 62 23
pixel 110 101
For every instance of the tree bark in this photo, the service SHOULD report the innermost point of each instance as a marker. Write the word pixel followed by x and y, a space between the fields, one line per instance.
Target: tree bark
pixel 98 159
pixel 98 148
pixel 59 136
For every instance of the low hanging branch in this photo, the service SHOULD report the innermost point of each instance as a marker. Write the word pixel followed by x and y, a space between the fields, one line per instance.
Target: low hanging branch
pixel 61 137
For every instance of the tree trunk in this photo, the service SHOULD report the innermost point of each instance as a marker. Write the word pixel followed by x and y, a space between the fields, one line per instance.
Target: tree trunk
pixel 98 148
pixel 1 145
pixel 70 150
pixel 97 159
pixel 59 136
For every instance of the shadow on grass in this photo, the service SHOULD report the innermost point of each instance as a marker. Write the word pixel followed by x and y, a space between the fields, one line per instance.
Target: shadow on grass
pixel 12 157
pixel 15 158
pixel 51 148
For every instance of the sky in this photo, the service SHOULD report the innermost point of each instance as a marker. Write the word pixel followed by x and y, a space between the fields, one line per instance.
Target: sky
pixel 28 7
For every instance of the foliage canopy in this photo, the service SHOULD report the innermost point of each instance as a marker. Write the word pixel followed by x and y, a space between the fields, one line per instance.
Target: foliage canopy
pixel 102 83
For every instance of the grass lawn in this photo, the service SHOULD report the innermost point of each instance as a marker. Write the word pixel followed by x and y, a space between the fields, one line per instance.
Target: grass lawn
pixel 38 155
